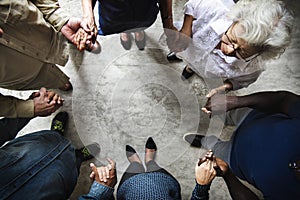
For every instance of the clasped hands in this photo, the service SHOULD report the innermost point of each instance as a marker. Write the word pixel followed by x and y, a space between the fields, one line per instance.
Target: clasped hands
pixel 45 102
pixel 105 175
pixel 208 167
pixel 82 34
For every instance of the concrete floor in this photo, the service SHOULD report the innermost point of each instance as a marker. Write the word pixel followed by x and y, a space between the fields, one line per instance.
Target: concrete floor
pixel 123 97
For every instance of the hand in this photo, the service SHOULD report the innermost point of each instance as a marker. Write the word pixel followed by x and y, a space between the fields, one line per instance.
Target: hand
pixel 88 24
pixel 45 102
pixel 105 175
pixel 1 32
pixel 82 42
pixel 222 89
pixel 78 36
pixel 221 167
pixel 80 39
pixel 219 104
pixel 172 37
pixel 205 172
pixel 183 42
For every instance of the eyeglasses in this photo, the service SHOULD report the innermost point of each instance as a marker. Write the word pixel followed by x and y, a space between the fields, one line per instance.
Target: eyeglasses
pixel 237 49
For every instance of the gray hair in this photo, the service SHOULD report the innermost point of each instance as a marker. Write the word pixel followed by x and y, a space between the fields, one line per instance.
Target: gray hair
pixel 267 24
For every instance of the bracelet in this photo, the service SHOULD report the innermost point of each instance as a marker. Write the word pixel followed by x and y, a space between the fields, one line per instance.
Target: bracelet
pixel 166 17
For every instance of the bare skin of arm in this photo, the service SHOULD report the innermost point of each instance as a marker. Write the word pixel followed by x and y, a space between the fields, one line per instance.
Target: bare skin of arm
pixel 272 102
pixel 185 34
pixel 237 190
pixel 165 7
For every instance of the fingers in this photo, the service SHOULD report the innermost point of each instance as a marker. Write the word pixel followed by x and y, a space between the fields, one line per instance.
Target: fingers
pixel 42 92
pixel 206 110
pixel 107 169
pixel 83 40
pixel 34 95
pixel 212 93
pixel 201 160
pixel 1 32
pixel 94 174
pixel 102 174
pixel 80 39
pixel 111 163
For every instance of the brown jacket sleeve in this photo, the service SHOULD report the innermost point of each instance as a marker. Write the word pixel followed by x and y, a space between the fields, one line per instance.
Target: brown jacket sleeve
pixel 52 12
pixel 13 107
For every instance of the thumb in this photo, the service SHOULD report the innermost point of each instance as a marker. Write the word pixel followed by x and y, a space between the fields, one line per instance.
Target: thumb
pixel 212 93
pixel 112 163
pixel 34 95
pixel 94 173
pixel 43 91
pixel 94 168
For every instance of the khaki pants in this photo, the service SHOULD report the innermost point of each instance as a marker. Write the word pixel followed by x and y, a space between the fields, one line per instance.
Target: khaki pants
pixel 21 72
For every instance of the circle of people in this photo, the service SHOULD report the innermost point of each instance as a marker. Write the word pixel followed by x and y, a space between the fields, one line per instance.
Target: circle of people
pixel 239 36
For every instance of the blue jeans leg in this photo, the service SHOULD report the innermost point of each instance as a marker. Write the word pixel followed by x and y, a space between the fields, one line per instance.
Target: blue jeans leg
pixel 39 165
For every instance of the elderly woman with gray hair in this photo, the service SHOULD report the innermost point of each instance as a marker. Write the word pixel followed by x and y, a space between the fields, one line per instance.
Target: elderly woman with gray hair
pixel 221 39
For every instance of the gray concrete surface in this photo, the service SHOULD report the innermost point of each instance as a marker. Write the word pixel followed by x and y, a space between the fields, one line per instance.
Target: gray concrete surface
pixel 123 97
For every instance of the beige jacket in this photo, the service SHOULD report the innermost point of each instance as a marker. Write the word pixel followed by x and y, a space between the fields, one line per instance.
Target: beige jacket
pixel 31 27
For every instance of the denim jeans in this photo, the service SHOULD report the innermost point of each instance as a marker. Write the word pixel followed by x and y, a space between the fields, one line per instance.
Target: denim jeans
pixel 40 165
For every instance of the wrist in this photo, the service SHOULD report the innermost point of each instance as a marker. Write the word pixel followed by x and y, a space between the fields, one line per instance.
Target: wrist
pixel 167 22
pixel 227 174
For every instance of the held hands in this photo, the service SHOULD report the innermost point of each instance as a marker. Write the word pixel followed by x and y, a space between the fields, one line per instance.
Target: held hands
pixel 81 34
pixel 88 24
pixel 45 102
pixel 204 169
pixel 218 103
pixel 209 167
pixel 219 90
pixel 105 175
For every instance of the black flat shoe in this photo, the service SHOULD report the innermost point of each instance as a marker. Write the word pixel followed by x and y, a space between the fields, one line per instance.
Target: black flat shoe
pixel 126 44
pixel 193 139
pixel 129 151
pixel 141 44
pixel 59 122
pixel 172 57
pixel 150 144
pixel 185 74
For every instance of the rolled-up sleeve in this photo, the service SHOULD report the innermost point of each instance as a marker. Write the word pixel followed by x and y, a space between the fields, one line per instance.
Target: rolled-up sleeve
pixel 14 107
pixel 52 12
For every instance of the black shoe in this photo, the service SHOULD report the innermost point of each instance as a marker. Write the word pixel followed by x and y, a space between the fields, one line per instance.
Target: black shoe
pixel 172 57
pixel 129 151
pixel 59 122
pixel 193 139
pixel 141 44
pixel 87 152
pixel 150 144
pixel 126 44
pixel 185 74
